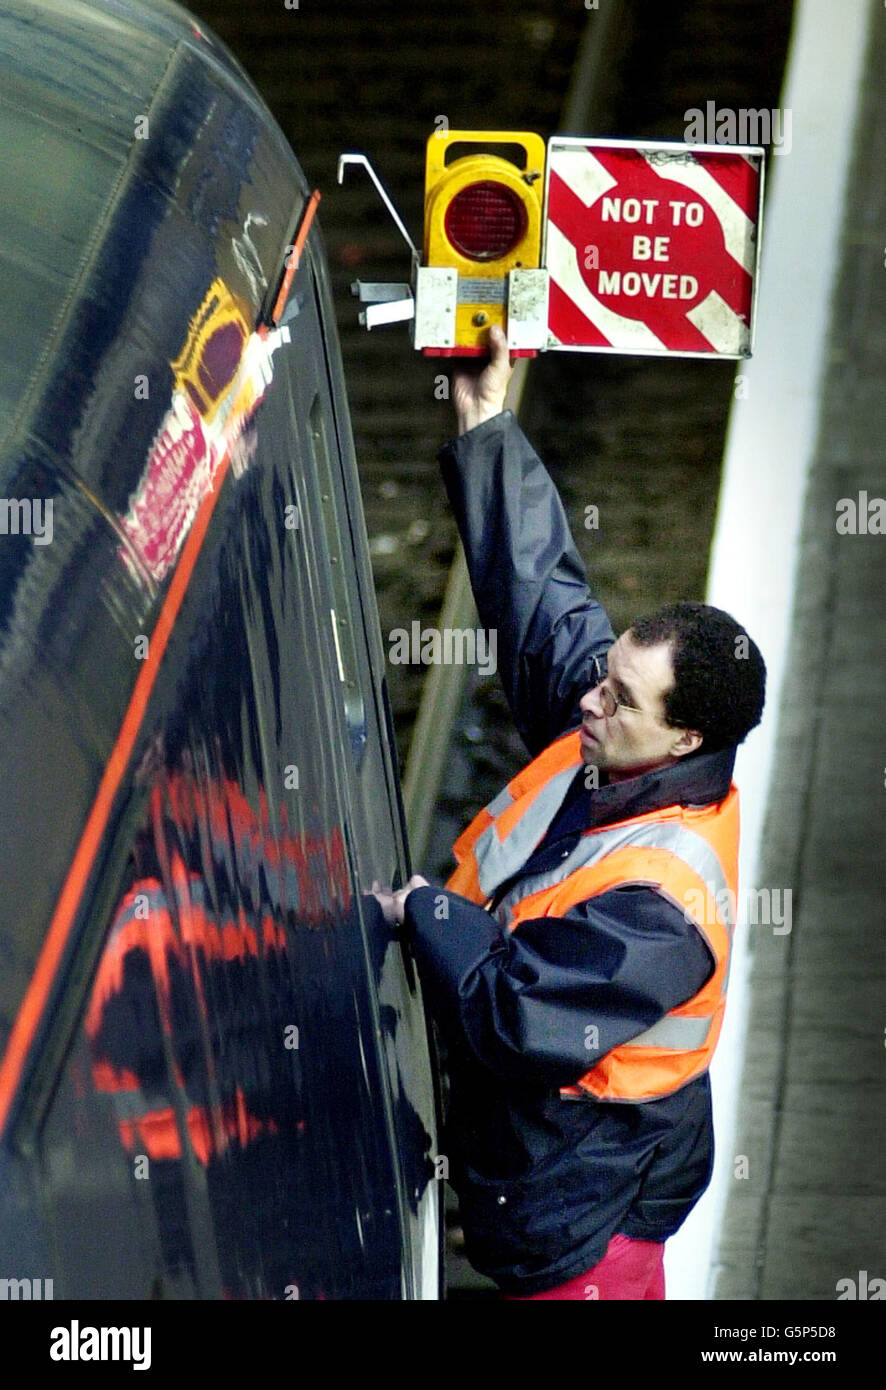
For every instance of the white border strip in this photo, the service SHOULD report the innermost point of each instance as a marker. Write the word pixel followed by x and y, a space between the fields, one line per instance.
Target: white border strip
pixel 769 452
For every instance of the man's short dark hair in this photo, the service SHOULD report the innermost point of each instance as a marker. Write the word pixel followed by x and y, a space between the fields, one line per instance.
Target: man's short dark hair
pixel 719 674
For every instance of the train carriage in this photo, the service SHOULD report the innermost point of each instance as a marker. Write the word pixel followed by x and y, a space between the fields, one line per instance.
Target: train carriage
pixel 216 1077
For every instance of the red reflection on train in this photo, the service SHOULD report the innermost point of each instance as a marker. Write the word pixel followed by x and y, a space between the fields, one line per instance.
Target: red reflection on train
pixel 174 929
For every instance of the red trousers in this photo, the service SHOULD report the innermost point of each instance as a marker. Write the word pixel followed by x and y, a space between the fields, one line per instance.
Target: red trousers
pixel 630 1269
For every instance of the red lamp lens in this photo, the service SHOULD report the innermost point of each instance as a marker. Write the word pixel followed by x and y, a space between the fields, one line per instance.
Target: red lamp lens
pixel 485 220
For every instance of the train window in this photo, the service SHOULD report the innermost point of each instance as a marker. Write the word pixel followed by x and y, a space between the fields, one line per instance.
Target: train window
pixel 341 614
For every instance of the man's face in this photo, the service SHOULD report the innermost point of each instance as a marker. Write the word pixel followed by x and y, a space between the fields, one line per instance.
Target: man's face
pixel 631 741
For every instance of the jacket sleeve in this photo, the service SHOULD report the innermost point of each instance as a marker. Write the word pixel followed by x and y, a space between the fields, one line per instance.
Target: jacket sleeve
pixel 543 1004
pixel 528 580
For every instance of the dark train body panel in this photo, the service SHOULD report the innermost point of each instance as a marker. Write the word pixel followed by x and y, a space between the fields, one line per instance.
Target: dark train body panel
pixel 216 1077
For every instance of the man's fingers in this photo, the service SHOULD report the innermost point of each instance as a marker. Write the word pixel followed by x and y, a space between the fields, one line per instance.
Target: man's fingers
pixel 497 341
pixel 498 344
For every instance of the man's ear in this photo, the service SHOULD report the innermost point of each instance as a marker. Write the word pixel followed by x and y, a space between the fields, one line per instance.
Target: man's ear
pixel 688 741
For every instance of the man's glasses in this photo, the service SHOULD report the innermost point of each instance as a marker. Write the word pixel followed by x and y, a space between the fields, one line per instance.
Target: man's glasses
pixel 611 703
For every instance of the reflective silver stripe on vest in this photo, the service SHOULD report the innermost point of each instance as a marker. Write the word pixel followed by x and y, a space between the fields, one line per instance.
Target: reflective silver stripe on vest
pixel 498 859
pixel 684 1033
pixel 693 849
pixel 500 803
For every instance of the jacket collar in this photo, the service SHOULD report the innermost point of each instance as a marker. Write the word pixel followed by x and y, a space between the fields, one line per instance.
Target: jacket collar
pixel 699 780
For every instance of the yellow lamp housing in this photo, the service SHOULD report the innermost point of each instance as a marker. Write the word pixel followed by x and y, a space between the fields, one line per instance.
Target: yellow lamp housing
pixel 483 220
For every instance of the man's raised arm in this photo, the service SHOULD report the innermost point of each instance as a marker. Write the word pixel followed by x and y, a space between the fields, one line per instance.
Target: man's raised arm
pixel 528 580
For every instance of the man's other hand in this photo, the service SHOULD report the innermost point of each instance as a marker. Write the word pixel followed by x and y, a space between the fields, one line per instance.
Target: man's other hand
pixel 392 904
pixel 479 395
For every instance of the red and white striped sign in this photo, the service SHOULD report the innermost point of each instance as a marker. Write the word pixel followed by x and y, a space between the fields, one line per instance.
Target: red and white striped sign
pixel 652 248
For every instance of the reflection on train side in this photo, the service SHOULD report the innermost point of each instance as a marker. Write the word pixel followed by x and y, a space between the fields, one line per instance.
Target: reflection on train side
pixel 220 377
pixel 182 940
pixel 197 1035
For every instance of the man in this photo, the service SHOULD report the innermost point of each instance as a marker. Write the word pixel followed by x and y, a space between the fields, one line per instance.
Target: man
pixel 577 962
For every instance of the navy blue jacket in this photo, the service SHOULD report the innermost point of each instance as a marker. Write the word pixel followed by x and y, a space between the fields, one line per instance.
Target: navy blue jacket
pixel 543 1183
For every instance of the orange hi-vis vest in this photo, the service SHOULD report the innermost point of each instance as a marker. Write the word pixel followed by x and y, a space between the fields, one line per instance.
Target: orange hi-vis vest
pixel 687 854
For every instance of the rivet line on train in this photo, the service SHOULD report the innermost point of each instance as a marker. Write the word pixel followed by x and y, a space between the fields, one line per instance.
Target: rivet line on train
pixel 636 247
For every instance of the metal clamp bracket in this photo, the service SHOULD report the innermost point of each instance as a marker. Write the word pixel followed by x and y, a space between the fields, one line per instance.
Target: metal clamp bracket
pixel 386 303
